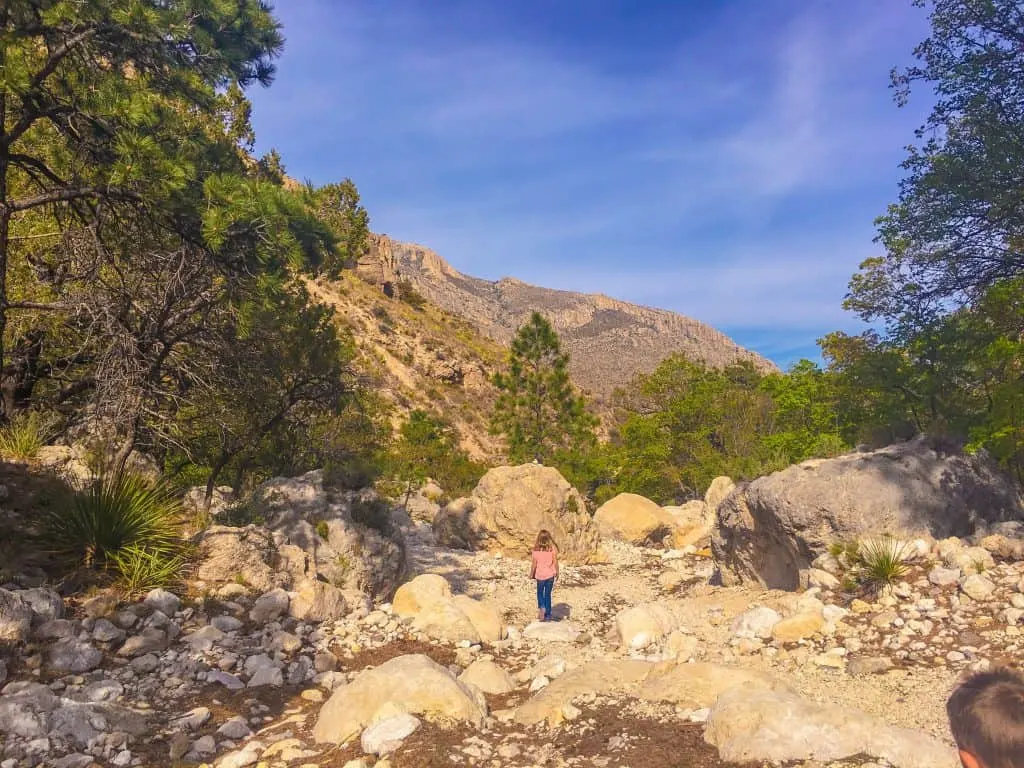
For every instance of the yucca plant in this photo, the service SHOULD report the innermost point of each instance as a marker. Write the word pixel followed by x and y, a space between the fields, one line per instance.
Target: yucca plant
pixel 880 562
pixel 119 510
pixel 23 436
pixel 139 569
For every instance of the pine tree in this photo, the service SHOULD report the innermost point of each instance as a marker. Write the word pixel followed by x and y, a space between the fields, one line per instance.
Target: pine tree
pixel 538 412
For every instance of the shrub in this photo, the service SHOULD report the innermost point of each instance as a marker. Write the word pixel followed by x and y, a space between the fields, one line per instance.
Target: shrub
pixel 408 293
pixel 322 530
pixel 118 512
pixel 373 513
pixel 880 561
pixel 24 436
pixel 139 569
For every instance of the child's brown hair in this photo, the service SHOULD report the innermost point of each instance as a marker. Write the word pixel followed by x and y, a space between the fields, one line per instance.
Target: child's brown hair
pixel 986 716
pixel 544 540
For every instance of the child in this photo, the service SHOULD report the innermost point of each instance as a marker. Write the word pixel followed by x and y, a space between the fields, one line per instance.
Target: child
pixel 544 569
pixel 986 715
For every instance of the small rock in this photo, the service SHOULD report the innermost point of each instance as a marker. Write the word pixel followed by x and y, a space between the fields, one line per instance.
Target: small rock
pixel 944 577
pixel 236 729
pixel 161 600
pixel 978 587
pixel 270 606
pixel 387 735
pixel 73 656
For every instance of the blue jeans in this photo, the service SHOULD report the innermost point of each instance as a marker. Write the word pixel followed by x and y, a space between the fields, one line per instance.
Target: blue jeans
pixel 544 595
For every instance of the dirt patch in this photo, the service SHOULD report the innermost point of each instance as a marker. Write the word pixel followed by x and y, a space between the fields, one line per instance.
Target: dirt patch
pixel 374 657
pixel 639 742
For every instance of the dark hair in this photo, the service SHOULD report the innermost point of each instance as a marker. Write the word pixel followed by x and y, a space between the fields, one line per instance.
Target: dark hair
pixel 986 716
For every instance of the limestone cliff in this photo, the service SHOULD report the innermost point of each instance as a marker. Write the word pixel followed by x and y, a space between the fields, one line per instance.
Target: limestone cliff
pixel 609 341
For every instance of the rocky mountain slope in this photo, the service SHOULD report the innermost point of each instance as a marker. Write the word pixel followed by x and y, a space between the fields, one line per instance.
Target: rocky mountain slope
pixel 609 341
pixel 420 357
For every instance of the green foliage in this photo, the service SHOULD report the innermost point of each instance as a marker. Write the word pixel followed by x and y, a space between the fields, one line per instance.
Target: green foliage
pixel 322 530
pixel 24 435
pixel 373 513
pixel 337 206
pixel 140 570
pixel 537 411
pixel 428 446
pixel 407 292
pixel 117 511
pixel 681 426
pixel 880 561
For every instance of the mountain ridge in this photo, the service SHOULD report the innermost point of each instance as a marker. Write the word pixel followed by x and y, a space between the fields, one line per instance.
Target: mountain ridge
pixel 595 329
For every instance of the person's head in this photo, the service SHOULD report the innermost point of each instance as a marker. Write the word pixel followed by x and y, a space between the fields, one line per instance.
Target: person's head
pixel 986 716
pixel 544 540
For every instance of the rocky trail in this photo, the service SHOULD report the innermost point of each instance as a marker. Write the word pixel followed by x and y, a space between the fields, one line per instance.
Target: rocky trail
pixel 292 648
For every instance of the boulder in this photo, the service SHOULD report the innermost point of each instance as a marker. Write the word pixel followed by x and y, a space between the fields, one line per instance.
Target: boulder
pixel 509 506
pixel 756 622
pixel 798 627
pixel 719 489
pixel 270 606
pixel 484 617
pixel 308 535
pixel 246 556
pixel 46 604
pixel 488 677
pixel 769 530
pixel 414 683
pixel 15 617
pixel 634 519
pixel 699 685
pixel 445 621
pixel 978 587
pixel 317 601
pixel 692 523
pixel 72 657
pixel 641 625
pixel 595 678
pixel 419 593
pixel 773 725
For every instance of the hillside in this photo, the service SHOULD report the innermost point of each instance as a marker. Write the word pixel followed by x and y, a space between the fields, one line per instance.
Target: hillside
pixel 609 341
pixel 420 357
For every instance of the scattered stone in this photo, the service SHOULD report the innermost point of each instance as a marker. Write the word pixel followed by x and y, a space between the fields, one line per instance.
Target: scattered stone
pixel 642 625
pixel 488 677
pixel 166 602
pixel 944 577
pixel 756 622
pixel 386 736
pixel 552 632
pixel 270 606
pixel 72 657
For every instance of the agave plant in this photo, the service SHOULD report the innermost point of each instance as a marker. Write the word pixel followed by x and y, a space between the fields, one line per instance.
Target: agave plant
pixel 24 436
pixel 120 510
pixel 881 561
pixel 139 569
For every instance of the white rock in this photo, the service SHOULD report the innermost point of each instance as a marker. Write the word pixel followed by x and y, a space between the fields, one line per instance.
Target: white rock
pixel 539 683
pixel 944 577
pixel 757 622
pixel 387 735
pixel 978 587
pixel 552 632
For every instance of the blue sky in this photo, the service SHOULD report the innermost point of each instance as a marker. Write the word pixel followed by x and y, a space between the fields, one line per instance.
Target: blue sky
pixel 721 159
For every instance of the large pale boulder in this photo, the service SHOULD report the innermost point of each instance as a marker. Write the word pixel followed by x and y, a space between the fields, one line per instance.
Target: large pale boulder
pixel 445 621
pixel 485 618
pixel 692 523
pixel 699 685
pixel 639 626
pixel 719 489
pixel 413 684
pixel 635 519
pixel 510 505
pixel 769 530
pixel 419 593
pixel 598 677
pixel 748 725
pixel 488 677
pixel 428 601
